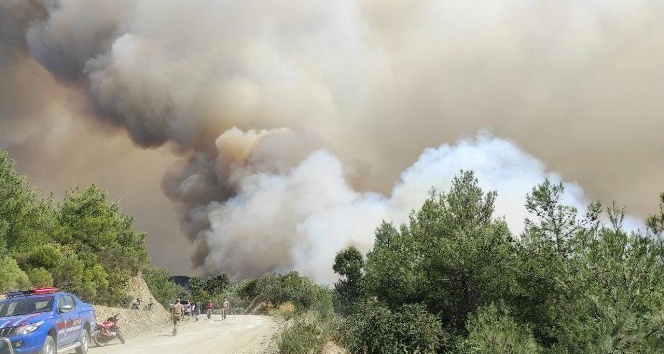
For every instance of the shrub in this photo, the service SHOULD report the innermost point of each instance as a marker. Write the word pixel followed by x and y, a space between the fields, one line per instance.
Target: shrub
pixel 291 287
pixel 302 338
pixel 40 277
pixel 11 276
pixel 376 329
pixel 161 286
pixel 492 330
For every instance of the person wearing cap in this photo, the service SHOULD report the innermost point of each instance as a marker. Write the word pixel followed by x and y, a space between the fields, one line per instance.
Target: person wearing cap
pixel 177 312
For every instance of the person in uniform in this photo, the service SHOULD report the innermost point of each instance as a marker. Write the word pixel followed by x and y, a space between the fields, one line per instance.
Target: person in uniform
pixel 177 312
pixel 224 308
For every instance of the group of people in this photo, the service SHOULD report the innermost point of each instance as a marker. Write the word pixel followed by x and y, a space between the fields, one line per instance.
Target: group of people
pixel 177 311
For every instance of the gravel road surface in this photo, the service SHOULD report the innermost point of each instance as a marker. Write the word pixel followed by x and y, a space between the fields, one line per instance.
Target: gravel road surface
pixel 237 334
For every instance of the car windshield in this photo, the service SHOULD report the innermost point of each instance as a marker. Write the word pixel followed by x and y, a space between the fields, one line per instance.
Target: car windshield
pixel 19 307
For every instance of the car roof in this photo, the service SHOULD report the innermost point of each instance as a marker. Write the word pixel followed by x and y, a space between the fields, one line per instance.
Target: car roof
pixel 39 293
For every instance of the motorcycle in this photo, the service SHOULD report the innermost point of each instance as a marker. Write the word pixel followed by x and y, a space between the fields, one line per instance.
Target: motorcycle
pixel 106 331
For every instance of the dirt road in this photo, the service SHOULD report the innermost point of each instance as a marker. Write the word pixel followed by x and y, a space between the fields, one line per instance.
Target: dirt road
pixel 239 334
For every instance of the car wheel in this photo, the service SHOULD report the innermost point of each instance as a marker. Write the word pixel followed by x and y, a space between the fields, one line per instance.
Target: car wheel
pixel 85 342
pixel 49 346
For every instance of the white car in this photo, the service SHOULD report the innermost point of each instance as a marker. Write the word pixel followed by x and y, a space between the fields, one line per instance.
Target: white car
pixel 186 306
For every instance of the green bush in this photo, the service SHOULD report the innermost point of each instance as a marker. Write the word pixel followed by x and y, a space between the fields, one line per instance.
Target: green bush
pixel 247 289
pixel 492 330
pixel 301 291
pixel 161 286
pixel 11 276
pixel 40 277
pixel 376 329
pixel 302 338
pixel 46 256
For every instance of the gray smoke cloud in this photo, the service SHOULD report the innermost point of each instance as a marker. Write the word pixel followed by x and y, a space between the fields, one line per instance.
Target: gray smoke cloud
pixel 296 127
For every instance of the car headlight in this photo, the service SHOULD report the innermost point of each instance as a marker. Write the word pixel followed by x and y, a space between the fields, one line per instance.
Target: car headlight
pixel 29 328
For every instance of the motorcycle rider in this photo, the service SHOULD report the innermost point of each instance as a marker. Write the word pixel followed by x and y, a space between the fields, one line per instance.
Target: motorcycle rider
pixel 177 312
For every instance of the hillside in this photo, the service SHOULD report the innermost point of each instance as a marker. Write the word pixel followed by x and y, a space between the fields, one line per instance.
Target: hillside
pixel 136 322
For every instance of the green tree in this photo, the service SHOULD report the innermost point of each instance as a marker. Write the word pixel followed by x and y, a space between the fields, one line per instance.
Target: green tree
pixel 655 222
pixel 95 225
pixel 453 256
pixel 217 284
pixel 550 260
pixel 12 278
pixel 395 271
pixel 247 289
pixel 25 222
pixel 348 263
pixel 161 286
pixel 618 307
pixel 197 289
pixel 86 279
pixel 278 289
pixel 99 233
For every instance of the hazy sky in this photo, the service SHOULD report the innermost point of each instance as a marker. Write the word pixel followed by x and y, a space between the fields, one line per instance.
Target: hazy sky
pixel 266 135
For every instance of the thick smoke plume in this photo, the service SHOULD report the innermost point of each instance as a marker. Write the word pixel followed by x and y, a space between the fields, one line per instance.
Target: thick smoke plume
pixel 298 126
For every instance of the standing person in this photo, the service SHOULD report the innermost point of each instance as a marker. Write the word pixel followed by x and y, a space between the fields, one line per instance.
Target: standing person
pixel 177 312
pixel 192 312
pixel 224 308
pixel 210 305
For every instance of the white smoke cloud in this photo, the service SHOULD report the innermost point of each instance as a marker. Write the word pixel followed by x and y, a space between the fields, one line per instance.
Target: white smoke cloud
pixel 299 219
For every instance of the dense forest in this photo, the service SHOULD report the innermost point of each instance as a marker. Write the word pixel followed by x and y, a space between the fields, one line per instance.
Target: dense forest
pixel 453 279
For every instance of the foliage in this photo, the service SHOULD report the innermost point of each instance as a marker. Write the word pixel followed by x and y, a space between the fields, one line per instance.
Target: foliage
pixel 453 256
pixel 322 304
pixel 622 292
pixel 12 278
pixel 25 222
pixel 40 277
pixel 301 338
pixel 546 270
pixel 46 256
pixel 88 281
pixel 492 330
pixel 161 286
pixel 291 287
pixel 83 244
pixel 17 200
pixel 572 283
pixel 217 284
pixel 212 287
pixel 408 329
pixel 348 263
pixel 95 225
pixel 247 288
pixel 197 290
pixel 655 222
